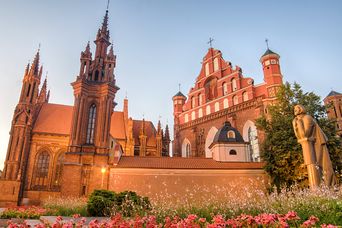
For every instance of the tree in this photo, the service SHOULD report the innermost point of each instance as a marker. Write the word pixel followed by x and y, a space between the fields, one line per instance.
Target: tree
pixel 280 150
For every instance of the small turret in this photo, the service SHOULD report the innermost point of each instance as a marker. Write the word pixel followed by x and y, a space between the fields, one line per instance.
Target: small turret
pixel 271 68
pixel 178 102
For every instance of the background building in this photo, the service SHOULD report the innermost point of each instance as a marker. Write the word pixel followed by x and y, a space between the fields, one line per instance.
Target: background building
pixel 334 103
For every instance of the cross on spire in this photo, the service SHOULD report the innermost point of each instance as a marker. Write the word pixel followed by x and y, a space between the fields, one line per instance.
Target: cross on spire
pixel 266 41
pixel 179 86
pixel 108 4
pixel 210 42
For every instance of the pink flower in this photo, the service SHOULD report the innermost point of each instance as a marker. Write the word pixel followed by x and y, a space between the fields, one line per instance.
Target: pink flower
pixel 202 220
pixel 292 215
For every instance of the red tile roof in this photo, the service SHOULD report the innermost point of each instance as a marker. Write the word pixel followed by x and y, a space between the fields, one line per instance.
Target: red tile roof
pixel 183 163
pixel 117 125
pixel 54 119
pixel 150 132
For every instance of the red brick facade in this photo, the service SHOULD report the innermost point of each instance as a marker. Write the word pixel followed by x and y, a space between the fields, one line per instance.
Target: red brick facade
pixel 334 103
pixel 221 93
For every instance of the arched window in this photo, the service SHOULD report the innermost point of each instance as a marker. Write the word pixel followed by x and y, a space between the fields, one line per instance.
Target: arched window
pixel 231 134
pixel 41 171
pixel 210 89
pixel 224 88
pixel 200 99
pixel 91 124
pixel 216 64
pixel 225 103
pixel 234 85
pixel 193 102
pixel 96 75
pixel 188 150
pixel 57 177
pixel 217 107
pixel 193 115
pixel 186 118
pixel 232 152
pixel 207 110
pixel 235 100
pixel 206 69
pixel 245 96
pixel 200 113
pixel 254 145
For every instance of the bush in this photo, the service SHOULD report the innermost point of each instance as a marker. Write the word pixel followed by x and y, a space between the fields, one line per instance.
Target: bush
pixel 100 203
pixel 23 212
pixel 130 203
pixel 105 203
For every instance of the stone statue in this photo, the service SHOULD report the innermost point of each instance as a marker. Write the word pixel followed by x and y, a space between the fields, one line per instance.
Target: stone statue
pixel 315 152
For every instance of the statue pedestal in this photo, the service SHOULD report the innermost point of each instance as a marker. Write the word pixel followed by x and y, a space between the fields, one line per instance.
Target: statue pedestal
pixel 309 156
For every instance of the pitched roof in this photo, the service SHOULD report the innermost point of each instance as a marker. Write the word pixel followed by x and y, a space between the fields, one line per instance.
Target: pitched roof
pixel 149 129
pixel 183 163
pixel 269 52
pixel 222 134
pixel 333 93
pixel 54 119
pixel 179 94
pixel 117 125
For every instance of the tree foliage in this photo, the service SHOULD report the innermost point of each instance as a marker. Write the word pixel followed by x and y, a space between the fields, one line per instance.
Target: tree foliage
pixel 280 149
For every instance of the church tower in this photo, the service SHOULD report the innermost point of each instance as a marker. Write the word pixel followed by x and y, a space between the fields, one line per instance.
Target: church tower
pixel 178 103
pixel 23 119
pixel 94 92
pixel 272 74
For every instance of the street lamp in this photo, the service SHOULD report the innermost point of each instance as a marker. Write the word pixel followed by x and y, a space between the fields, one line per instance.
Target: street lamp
pixel 103 170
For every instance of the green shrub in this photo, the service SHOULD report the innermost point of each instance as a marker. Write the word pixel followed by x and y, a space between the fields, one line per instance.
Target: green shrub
pixel 100 203
pixel 130 203
pixel 127 203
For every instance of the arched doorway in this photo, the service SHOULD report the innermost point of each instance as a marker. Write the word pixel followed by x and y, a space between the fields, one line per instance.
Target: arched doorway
pixel 250 134
pixel 209 140
pixel 186 148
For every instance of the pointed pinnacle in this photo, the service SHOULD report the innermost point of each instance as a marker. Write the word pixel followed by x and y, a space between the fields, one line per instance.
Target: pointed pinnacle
pixel 35 64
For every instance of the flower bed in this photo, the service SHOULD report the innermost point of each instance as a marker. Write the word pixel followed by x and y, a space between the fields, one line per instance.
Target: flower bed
pixel 191 221
pixel 23 212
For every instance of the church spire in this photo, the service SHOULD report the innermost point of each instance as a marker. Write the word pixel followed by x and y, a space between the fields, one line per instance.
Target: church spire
pixel 35 65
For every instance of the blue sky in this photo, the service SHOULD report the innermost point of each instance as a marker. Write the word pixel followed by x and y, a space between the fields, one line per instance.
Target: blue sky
pixel 160 43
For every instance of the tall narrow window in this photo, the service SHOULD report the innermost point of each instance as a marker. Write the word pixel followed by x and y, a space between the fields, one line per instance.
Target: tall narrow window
pixel 193 102
pixel 200 99
pixel 235 100
pixel 216 64
pixel 225 103
pixel 206 69
pixel 188 150
pixel 57 178
pixel 200 113
pixel 224 88
pixel 245 96
pixel 234 85
pixel 40 172
pixel 91 124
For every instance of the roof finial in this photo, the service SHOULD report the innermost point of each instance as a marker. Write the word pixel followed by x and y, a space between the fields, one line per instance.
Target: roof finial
pixel 266 41
pixel 108 4
pixel 210 42
pixel 39 45
pixel 126 94
pixel 179 86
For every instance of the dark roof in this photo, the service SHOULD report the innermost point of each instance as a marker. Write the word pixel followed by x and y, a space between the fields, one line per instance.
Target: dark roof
pixel 183 163
pixel 269 52
pixel 222 134
pixel 333 93
pixel 179 94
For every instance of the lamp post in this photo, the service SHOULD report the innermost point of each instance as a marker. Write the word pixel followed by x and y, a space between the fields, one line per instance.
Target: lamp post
pixel 103 170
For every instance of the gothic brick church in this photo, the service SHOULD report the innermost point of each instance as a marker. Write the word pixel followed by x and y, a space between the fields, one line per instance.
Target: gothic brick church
pixel 221 93
pixel 60 150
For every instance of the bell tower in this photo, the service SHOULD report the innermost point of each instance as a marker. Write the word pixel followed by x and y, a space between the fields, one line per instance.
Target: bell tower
pixel 272 74
pixel 22 122
pixel 94 92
